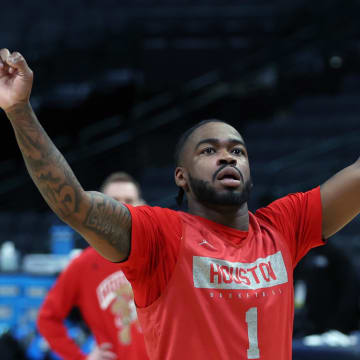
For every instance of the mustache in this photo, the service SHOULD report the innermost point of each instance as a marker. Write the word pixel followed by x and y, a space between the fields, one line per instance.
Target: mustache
pixel 223 167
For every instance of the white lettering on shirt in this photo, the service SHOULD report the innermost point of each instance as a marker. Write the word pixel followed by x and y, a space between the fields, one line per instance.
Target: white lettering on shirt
pixel 106 291
pixel 210 273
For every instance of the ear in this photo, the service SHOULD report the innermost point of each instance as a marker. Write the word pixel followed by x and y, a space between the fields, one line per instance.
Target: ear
pixel 180 178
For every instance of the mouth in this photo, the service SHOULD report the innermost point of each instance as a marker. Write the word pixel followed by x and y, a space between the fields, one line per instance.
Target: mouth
pixel 229 177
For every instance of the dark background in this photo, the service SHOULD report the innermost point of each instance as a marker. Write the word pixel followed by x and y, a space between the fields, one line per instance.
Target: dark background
pixel 117 82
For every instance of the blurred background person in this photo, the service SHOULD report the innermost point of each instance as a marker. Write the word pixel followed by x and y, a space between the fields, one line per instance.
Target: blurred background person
pixel 101 292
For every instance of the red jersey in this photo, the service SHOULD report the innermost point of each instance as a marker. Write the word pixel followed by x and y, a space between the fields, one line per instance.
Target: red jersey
pixel 229 293
pixel 103 295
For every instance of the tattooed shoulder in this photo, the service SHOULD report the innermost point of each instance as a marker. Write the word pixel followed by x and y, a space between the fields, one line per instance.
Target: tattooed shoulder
pixel 109 219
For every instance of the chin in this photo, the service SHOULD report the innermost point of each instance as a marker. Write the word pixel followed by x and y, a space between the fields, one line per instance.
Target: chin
pixel 237 190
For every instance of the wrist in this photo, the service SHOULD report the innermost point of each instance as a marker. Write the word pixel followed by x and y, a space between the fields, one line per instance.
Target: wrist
pixel 18 110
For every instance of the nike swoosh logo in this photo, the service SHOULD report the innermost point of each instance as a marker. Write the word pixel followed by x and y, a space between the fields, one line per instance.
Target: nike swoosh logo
pixel 205 242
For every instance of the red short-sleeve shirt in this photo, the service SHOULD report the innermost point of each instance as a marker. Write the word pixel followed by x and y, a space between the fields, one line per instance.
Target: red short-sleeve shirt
pixel 157 232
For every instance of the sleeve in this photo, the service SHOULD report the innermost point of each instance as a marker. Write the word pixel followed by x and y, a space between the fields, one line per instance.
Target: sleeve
pixel 155 242
pixel 298 217
pixel 56 307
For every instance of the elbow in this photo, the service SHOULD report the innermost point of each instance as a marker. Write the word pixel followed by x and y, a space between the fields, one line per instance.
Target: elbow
pixel 68 207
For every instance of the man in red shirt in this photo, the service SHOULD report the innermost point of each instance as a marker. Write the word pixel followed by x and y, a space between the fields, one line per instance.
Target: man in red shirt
pixel 215 282
pixel 101 292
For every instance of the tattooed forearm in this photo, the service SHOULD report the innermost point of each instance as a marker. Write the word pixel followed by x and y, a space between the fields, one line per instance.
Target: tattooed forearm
pixel 102 221
pixel 60 195
pixel 111 220
pixel 47 167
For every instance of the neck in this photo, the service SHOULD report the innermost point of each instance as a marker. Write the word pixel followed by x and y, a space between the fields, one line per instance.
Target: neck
pixel 231 216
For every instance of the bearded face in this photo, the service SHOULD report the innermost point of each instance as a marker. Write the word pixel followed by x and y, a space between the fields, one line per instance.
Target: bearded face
pixel 214 167
pixel 206 193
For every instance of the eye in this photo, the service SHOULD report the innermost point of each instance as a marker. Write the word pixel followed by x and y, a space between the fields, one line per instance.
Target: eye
pixel 208 151
pixel 238 151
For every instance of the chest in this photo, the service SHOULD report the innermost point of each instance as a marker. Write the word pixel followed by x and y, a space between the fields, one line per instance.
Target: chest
pixel 219 268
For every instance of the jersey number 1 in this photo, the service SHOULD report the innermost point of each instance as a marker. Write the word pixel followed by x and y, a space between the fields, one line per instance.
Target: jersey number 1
pixel 251 319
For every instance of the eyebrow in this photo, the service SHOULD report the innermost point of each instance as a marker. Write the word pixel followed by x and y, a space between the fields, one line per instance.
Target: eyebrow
pixel 217 142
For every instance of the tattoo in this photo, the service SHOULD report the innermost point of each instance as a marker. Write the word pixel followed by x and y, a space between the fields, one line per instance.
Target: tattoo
pixel 26 141
pixel 107 218
pixel 111 220
pixel 61 195
pixel 47 167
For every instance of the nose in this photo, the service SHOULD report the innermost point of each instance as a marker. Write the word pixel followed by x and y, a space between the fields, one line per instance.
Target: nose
pixel 226 159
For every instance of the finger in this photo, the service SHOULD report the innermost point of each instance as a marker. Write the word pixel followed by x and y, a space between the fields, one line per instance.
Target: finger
pixel 17 61
pixel 105 346
pixel 4 54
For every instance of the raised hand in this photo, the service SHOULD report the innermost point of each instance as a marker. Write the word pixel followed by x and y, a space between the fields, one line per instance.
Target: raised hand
pixel 102 352
pixel 16 80
pixel 104 222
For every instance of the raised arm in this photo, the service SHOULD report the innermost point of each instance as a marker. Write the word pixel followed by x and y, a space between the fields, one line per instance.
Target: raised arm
pixel 102 221
pixel 340 196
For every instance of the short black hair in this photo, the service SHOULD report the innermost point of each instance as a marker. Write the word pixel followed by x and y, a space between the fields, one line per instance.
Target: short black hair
pixel 184 137
pixel 180 146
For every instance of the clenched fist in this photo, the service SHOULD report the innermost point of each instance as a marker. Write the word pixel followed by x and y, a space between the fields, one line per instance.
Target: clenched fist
pixel 16 80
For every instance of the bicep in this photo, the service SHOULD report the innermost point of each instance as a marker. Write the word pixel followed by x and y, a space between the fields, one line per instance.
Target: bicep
pixel 340 198
pixel 105 224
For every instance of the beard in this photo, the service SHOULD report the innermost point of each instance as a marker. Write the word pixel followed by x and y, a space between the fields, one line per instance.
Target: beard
pixel 206 193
